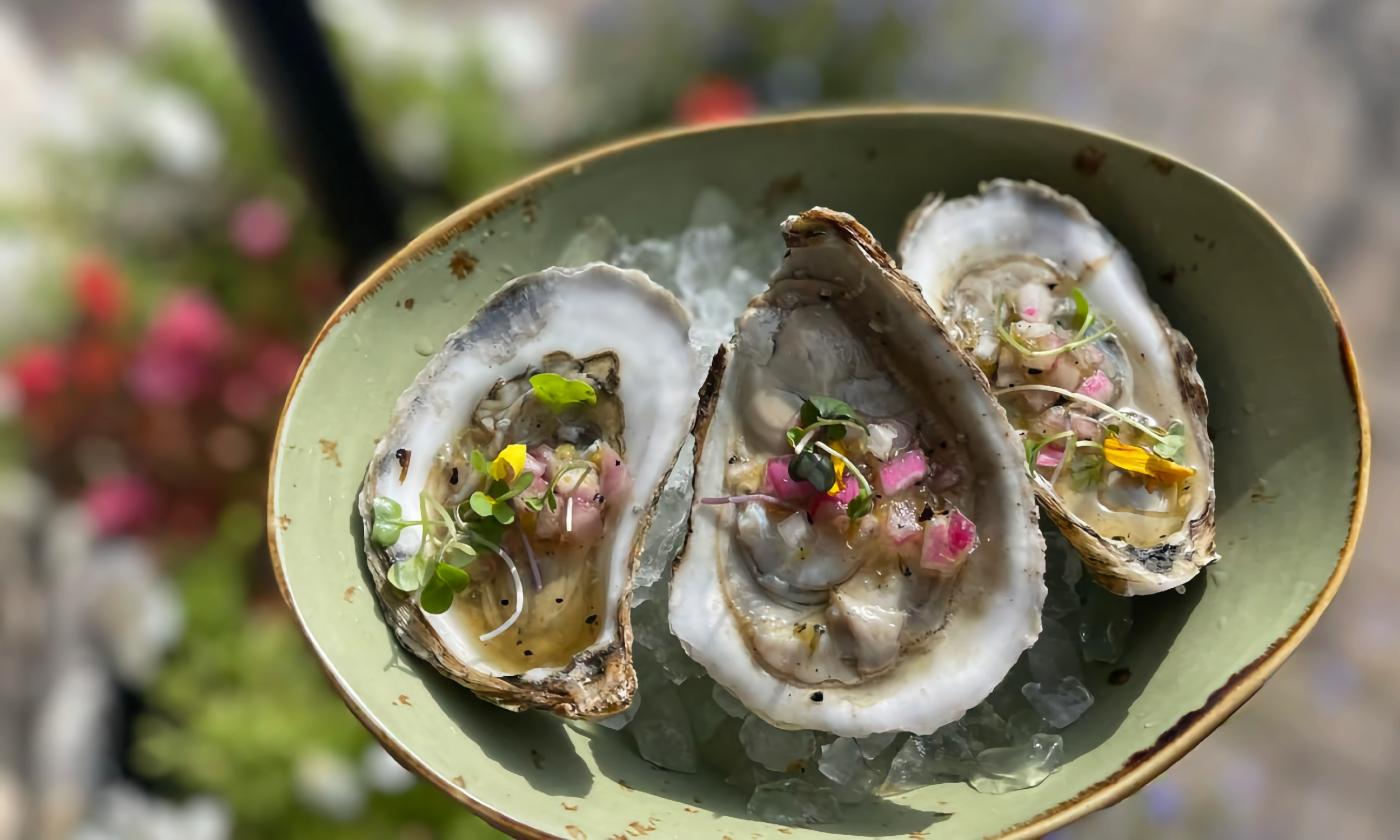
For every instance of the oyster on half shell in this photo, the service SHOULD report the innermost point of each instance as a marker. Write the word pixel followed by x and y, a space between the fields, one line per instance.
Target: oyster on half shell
pixel 864 553
pixel 1105 391
pixel 505 507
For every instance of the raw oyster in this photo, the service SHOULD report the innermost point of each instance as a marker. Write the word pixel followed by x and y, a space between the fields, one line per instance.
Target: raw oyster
pixel 864 553
pixel 530 450
pixel 1053 310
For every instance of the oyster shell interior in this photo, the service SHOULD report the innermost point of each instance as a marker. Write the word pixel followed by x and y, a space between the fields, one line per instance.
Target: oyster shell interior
pixel 1105 392
pixel 506 505
pixel 864 553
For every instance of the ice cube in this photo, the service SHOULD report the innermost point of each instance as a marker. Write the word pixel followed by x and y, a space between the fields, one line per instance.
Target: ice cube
pixel 656 643
pixel 1004 769
pixel 706 716
pixel 793 802
pixel 662 731
pixel 1025 724
pixel 925 759
pixel 781 750
pixel 1061 702
pixel 872 745
pixel 713 208
pixel 1054 654
pixel 655 257
pixel 730 703
pixel 853 778
pixel 624 717
pixel 595 240
pixel 1104 623
pixel 984 727
pixel 669 525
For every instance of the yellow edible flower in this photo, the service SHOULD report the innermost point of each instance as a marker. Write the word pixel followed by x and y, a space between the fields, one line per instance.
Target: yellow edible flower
pixel 1135 459
pixel 840 467
pixel 510 463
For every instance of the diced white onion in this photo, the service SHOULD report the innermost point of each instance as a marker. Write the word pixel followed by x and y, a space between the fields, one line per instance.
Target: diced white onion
pixel 795 530
pixel 880 440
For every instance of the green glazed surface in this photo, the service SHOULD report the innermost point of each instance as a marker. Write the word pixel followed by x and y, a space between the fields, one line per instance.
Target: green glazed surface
pixel 1286 414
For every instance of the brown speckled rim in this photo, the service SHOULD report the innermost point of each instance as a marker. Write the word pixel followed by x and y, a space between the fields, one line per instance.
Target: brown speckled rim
pixel 1142 766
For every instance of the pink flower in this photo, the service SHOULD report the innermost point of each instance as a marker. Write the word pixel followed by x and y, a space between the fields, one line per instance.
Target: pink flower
pixel 39 371
pixel 120 504
pixel 260 228
pixel 276 364
pixel 177 356
pixel 99 288
pixel 715 99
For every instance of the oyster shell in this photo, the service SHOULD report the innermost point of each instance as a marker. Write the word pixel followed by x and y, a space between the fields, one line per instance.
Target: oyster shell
pixel 984 262
pixel 555 589
pixel 821 617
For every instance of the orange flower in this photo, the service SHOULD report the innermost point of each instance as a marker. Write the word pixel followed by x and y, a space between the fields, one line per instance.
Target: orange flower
pixel 1135 459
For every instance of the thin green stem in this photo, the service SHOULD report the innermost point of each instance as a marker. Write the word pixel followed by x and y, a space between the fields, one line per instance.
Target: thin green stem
pixel 860 477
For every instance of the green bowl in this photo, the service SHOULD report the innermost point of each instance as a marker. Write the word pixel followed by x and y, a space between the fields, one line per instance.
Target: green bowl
pixel 1292 449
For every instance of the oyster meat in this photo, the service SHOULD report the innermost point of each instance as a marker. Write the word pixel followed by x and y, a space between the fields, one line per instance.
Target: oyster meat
pixel 506 505
pixel 864 553
pixel 1104 390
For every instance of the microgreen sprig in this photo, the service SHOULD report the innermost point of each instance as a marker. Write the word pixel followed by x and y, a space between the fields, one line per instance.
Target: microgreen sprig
pixel 452 537
pixel 560 393
pixel 819 464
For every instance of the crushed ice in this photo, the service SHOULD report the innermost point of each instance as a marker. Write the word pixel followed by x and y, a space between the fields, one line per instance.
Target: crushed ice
pixel 682 720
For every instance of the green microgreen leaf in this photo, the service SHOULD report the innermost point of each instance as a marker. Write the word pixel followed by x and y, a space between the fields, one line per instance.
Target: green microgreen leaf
pixel 386 509
pixel 535 503
pixel 454 577
pixel 1082 311
pixel 521 483
pixel 1172 442
pixel 503 513
pixel 1086 471
pixel 437 595
pixel 487 530
pixel 408 575
pixel 813 467
pixel 481 504
pixel 825 408
pixel 480 463
pixel 794 435
pixel 860 506
pixel 559 393
pixel 386 533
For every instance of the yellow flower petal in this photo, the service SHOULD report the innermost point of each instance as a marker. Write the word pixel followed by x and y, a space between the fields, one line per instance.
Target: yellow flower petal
pixel 510 463
pixel 840 467
pixel 1136 459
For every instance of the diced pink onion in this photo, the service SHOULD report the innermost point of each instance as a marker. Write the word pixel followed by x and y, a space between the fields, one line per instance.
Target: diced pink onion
pixel 784 486
pixel 616 480
pixel 948 540
pixel 903 471
pixel 1097 387
pixel 1049 456
pixel 901 525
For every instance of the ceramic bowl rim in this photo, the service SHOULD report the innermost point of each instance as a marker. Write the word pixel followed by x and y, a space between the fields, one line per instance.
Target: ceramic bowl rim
pixel 1141 767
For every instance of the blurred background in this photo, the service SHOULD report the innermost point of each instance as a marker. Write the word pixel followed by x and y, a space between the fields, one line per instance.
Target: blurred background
pixel 173 231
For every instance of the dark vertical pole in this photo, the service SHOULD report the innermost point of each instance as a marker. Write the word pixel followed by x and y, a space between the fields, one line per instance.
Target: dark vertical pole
pixel 287 57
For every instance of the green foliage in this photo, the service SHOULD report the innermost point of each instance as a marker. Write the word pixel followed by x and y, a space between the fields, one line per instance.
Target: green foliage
pixel 241 699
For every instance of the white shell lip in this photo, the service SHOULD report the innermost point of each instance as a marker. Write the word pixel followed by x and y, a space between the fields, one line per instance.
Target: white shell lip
pixel 996 607
pixel 943 238
pixel 580 311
